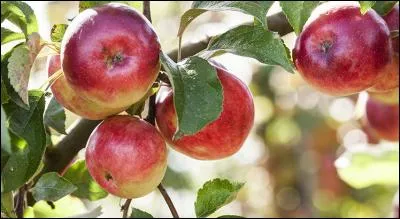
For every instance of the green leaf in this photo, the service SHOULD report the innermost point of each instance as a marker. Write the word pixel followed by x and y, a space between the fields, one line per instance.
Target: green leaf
pixel 55 116
pixel 51 187
pixel 20 63
pixel 230 216
pixel 5 136
pixel 258 9
pixel 7 204
pixel 365 165
pixel 137 213
pixel 298 12
pixel 383 7
pixel 28 124
pixel 197 93
pixel 83 5
pixel 215 194
pixel 6 85
pixel 19 68
pixel 9 35
pixel 21 14
pixel 254 42
pixel 366 5
pixel 57 32
pixel 87 188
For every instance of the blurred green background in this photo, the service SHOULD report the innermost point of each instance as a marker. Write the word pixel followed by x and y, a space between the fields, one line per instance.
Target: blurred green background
pixel 308 154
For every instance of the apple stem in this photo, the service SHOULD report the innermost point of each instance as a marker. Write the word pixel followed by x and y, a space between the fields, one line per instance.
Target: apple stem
pixel 125 208
pixel 168 201
pixel 146 10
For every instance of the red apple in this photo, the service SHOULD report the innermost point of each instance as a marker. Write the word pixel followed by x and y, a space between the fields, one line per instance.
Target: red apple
pixel 391 78
pixel 110 55
pixel 390 97
pixel 383 119
pixel 392 21
pixel 221 138
pixel 341 51
pixel 126 156
pixel 71 100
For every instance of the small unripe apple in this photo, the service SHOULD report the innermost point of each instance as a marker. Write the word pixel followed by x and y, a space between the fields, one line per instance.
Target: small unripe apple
pixel 391 78
pixel 222 137
pixel 110 55
pixel 383 119
pixel 126 156
pixel 341 51
pixel 71 100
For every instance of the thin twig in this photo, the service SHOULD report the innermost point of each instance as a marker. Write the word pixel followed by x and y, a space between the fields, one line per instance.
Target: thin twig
pixel 179 49
pixel 125 208
pixel 146 10
pixel 151 115
pixel 168 201
pixel 20 205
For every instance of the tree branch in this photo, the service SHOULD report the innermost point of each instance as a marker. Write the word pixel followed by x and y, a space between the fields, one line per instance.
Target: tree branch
pixel 58 158
pixel 168 201
pixel 125 208
pixel 146 10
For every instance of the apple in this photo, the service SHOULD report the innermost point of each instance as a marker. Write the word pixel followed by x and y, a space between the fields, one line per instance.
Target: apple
pixel 126 156
pixel 390 97
pixel 222 137
pixel 392 21
pixel 110 55
pixel 341 52
pixel 71 100
pixel 383 119
pixel 391 78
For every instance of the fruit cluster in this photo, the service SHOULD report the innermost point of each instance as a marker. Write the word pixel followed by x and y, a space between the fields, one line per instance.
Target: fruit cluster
pixel 110 59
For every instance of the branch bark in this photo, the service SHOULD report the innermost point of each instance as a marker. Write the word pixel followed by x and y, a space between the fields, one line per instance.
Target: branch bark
pixel 63 153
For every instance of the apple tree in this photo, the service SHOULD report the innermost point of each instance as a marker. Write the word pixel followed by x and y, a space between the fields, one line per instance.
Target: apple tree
pixel 136 101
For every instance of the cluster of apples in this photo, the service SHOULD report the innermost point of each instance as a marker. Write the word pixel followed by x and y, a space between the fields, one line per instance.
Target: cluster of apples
pixel 342 52
pixel 110 59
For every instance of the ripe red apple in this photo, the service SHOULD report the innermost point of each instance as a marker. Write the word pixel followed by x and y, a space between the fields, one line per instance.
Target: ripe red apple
pixel 110 55
pixel 390 97
pixel 392 21
pixel 342 52
pixel 221 138
pixel 396 210
pixel 71 100
pixel 383 119
pixel 126 156
pixel 391 78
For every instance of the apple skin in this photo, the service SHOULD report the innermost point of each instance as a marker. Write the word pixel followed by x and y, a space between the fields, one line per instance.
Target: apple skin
pixel 392 21
pixel 342 52
pixel 67 96
pixel 390 97
pixel 391 78
pixel 383 119
pixel 222 137
pixel 126 156
pixel 110 55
